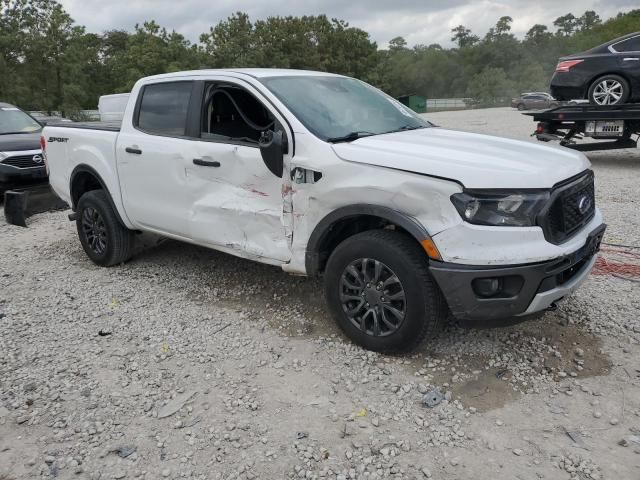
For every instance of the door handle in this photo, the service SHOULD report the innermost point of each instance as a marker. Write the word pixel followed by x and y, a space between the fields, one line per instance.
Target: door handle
pixel 205 163
pixel 631 59
pixel 135 151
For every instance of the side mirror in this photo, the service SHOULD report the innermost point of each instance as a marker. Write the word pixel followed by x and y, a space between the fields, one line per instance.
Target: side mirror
pixel 273 146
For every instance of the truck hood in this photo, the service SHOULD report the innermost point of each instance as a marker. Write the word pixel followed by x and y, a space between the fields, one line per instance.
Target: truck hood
pixel 476 161
pixel 20 141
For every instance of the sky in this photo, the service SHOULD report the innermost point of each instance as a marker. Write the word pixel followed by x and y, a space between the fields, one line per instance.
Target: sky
pixel 418 21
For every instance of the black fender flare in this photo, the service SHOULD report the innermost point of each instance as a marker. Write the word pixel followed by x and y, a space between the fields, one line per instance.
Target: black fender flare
pixel 83 168
pixel 322 229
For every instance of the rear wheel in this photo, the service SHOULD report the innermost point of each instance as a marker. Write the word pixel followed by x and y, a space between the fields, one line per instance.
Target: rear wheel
pixel 104 239
pixel 609 90
pixel 381 293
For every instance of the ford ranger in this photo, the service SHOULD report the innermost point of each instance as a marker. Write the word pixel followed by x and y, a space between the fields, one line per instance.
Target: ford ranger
pixel 323 174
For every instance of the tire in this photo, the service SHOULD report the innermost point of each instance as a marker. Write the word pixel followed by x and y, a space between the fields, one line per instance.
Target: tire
pixel 616 85
pixel 521 107
pixel 104 239
pixel 423 307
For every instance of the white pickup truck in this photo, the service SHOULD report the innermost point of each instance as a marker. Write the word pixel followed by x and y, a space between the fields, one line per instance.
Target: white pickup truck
pixel 323 174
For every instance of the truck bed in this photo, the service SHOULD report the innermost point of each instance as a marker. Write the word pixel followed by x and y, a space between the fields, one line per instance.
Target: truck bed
pixel 105 126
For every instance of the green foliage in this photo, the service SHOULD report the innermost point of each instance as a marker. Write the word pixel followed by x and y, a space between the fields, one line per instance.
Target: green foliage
pixel 47 62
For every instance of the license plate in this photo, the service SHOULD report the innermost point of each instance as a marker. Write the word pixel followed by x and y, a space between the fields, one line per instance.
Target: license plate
pixel 600 128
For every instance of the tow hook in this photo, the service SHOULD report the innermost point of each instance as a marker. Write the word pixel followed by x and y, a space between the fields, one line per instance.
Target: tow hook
pixel 552 308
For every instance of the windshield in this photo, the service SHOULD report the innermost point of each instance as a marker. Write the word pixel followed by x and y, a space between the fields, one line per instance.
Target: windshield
pixel 14 120
pixel 341 108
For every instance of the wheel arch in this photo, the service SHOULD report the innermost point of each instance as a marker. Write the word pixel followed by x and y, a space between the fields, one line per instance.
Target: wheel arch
pixel 345 222
pixel 85 178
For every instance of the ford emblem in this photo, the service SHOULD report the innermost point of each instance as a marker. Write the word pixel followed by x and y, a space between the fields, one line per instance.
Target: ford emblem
pixel 584 204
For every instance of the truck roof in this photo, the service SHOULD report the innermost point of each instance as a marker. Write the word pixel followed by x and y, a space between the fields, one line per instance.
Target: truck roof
pixel 252 72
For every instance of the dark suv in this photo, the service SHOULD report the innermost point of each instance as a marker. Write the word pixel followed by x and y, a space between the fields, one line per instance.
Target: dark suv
pixel 21 158
pixel 606 75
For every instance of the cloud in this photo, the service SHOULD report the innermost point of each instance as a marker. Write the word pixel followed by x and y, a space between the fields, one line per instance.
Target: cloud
pixel 419 21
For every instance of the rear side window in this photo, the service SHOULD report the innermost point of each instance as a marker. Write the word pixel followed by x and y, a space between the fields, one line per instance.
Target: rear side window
pixel 631 45
pixel 163 108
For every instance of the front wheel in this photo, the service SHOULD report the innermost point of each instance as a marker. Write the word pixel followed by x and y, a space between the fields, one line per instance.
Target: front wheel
pixel 380 291
pixel 609 90
pixel 521 107
pixel 104 239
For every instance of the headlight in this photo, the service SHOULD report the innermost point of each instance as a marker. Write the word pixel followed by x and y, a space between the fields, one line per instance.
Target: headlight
pixel 3 156
pixel 509 209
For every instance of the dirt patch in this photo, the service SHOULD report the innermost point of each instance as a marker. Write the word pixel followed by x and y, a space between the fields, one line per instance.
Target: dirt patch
pixel 581 353
pixel 572 353
pixel 487 391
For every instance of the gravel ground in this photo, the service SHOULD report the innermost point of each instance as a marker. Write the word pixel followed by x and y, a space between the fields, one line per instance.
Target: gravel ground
pixel 188 363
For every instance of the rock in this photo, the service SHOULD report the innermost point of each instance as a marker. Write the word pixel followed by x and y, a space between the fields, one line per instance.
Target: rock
pixel 22 419
pixel 176 404
pixel 432 398
pixel 426 472
pixel 579 352
pixel 614 421
pixel 166 472
pixel 518 451
pixel 597 414
pixel 119 474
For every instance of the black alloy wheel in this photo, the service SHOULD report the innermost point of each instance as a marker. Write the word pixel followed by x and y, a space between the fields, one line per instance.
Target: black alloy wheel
pixel 372 297
pixel 94 230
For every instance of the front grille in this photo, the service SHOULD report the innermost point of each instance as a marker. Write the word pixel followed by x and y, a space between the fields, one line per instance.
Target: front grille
pixel 572 206
pixel 23 161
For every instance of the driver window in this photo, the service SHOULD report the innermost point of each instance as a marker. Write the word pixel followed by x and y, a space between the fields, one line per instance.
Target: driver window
pixel 233 115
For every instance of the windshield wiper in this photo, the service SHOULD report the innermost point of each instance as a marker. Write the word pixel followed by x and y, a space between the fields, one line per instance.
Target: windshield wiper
pixel 405 128
pixel 16 133
pixel 350 137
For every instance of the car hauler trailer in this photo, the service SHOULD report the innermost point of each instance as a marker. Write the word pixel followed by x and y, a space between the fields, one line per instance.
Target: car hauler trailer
pixel 610 126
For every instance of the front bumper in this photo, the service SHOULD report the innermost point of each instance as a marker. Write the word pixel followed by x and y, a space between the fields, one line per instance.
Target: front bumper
pixel 14 175
pixel 527 289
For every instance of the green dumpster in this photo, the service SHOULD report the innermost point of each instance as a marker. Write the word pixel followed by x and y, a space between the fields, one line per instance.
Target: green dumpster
pixel 417 103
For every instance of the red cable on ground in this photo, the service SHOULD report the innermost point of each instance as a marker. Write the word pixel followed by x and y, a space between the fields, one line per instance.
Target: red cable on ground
pixel 629 271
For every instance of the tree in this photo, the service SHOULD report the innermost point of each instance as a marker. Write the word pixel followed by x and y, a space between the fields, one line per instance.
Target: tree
pixel 397 43
pixel 491 84
pixel 49 62
pixel 503 26
pixel 566 24
pixel 230 42
pixel 588 20
pixel 538 35
pixel 463 36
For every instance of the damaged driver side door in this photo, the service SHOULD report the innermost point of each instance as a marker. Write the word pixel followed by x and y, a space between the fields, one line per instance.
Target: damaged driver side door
pixel 237 202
